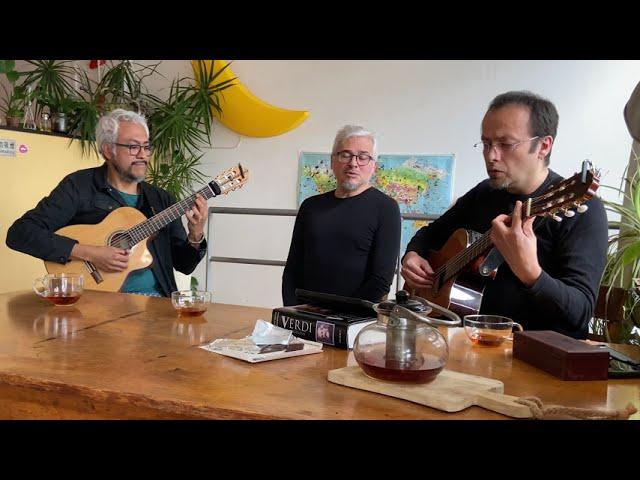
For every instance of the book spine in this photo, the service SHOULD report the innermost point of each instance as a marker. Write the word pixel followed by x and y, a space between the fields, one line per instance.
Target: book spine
pixel 314 329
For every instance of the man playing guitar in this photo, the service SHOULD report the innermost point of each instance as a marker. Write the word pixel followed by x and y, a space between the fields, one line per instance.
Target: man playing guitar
pixel 88 196
pixel 550 278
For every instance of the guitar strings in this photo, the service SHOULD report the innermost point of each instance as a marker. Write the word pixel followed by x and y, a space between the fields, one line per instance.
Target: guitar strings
pixel 146 228
pixel 155 223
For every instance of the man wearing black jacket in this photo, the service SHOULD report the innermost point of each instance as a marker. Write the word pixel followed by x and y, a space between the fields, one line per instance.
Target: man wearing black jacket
pixel 88 196
pixel 552 271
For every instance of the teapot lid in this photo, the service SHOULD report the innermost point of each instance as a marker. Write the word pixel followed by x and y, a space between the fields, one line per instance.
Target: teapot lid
pixel 402 299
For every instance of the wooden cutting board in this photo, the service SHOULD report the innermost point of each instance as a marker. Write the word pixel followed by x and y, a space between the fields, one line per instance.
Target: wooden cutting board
pixel 450 391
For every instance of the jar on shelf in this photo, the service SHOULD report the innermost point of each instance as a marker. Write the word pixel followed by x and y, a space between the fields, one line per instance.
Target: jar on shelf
pixel 45 122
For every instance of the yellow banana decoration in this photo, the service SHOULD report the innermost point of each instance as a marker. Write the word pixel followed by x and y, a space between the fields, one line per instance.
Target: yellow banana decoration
pixel 246 114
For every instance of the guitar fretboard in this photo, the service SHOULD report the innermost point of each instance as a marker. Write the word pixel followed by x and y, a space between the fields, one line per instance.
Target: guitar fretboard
pixel 139 232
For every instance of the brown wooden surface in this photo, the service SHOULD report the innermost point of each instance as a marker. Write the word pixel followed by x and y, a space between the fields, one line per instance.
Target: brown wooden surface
pixel 450 391
pixel 125 356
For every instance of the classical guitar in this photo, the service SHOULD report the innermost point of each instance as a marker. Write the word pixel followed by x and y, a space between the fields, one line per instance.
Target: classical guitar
pixel 128 228
pixel 460 276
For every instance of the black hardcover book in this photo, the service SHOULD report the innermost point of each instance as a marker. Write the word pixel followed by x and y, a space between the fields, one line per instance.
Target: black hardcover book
pixel 329 319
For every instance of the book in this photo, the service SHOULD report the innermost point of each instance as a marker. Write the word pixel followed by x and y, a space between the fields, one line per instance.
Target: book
pixel 317 323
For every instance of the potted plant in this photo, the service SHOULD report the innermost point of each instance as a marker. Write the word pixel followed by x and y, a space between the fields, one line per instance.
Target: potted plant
pixel 13 105
pixel 122 86
pixel 62 111
pixel 181 128
pixel 51 81
pixel 618 292
pixel 14 97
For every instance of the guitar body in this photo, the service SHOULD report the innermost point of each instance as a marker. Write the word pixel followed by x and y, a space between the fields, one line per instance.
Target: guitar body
pixel 461 294
pixel 101 234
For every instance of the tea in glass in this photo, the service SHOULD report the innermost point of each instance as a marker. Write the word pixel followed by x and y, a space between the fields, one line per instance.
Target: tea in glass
pixel 489 330
pixel 60 288
pixel 190 303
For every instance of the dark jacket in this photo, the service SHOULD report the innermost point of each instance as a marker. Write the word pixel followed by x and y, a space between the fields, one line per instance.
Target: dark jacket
pixel 85 197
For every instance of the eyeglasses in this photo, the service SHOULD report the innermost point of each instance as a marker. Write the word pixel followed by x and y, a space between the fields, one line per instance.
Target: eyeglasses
pixel 501 146
pixel 134 148
pixel 345 156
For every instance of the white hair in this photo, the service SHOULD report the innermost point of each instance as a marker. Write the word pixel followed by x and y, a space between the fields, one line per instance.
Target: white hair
pixel 349 131
pixel 109 125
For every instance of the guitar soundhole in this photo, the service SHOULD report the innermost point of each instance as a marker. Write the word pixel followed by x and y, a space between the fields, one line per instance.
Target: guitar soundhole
pixel 121 240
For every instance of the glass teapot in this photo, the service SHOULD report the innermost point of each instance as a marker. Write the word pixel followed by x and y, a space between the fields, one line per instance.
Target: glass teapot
pixel 404 345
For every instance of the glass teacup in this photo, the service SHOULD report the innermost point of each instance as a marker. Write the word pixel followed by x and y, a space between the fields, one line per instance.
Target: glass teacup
pixel 489 330
pixel 190 303
pixel 60 288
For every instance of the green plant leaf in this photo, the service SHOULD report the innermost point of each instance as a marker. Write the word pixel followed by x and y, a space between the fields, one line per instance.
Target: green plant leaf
pixel 13 76
pixel 623 257
pixel 631 253
pixel 7 66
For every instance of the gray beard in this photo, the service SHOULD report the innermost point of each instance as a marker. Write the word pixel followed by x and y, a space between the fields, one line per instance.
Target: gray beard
pixel 351 186
pixel 126 175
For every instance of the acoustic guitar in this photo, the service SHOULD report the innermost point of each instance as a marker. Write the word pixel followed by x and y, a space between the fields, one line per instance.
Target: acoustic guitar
pixel 128 228
pixel 459 274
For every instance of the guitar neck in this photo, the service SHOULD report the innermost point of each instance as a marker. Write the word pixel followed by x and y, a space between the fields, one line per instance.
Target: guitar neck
pixel 464 258
pixel 150 226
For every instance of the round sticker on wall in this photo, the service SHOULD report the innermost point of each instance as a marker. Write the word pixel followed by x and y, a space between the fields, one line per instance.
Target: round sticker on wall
pixel 23 148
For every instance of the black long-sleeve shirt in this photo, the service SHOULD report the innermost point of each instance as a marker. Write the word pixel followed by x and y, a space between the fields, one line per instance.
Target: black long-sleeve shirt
pixel 85 197
pixel 572 254
pixel 345 246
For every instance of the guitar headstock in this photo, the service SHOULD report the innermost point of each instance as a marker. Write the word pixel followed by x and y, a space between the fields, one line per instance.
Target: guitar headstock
pixel 231 179
pixel 568 194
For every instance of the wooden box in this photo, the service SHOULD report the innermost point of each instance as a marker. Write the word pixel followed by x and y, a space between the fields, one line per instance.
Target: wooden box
pixel 560 355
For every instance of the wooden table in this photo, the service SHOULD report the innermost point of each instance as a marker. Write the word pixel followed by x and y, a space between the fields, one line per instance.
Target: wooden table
pixel 127 356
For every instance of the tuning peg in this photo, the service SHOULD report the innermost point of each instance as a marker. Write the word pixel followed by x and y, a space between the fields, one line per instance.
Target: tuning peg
pixel 569 213
pixel 557 218
pixel 582 208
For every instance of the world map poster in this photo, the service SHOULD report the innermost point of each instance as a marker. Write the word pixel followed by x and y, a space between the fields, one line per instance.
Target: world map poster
pixel 421 184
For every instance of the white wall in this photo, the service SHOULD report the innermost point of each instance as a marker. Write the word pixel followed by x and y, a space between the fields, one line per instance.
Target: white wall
pixel 415 106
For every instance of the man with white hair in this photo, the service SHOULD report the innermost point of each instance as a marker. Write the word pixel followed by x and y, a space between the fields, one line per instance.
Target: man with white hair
pixel 345 241
pixel 88 196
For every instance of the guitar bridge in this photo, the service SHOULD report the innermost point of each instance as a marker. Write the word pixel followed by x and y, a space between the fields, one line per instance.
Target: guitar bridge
pixel 93 271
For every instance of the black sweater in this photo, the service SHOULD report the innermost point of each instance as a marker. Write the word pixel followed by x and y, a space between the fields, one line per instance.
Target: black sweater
pixel 345 246
pixel 572 254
